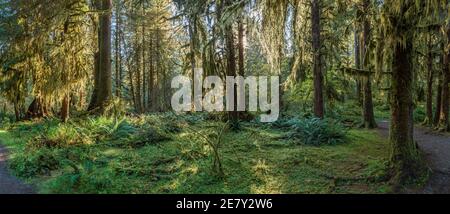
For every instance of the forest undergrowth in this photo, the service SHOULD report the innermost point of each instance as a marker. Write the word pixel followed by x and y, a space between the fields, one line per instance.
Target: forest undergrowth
pixel 196 153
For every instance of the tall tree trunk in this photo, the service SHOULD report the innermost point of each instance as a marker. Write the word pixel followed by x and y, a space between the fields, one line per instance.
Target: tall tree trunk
pixel 158 71
pixel 404 152
pixel 132 90
pixel 65 108
pixel 105 79
pixel 144 61
pixel 444 117
pixel 430 75
pixel 368 115
pixel 93 104
pixel 241 48
pixel 192 27
pixel 358 65
pixel 118 61
pixel 317 59
pixel 137 85
pixel 241 57
pixel 231 68
pixel 151 96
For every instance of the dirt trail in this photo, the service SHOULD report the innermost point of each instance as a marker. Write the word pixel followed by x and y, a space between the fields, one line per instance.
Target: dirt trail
pixel 8 183
pixel 437 149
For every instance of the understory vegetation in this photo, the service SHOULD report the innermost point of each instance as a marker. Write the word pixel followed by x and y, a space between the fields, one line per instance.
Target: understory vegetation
pixel 165 153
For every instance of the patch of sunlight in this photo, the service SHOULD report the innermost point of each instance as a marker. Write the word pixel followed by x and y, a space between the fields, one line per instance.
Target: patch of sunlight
pixel 268 184
pixel 261 168
pixel 112 152
pixel 192 169
pixel 184 134
pixel 175 184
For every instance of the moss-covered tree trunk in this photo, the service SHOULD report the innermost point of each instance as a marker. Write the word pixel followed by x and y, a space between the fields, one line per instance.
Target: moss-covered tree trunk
pixel 444 116
pixel 317 59
pixel 358 64
pixel 94 98
pixel 430 78
pixel 368 115
pixel 231 67
pixel 437 111
pixel 404 153
pixel 17 111
pixel 241 47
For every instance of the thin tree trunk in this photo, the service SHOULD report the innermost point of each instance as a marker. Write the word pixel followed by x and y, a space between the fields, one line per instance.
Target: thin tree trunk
pixel 437 112
pixel 368 115
pixel 118 61
pixel 17 111
pixel 358 65
pixel 241 48
pixel 137 89
pixel 65 108
pixel 130 77
pixel 158 71
pixel 429 106
pixel 231 68
pixel 151 101
pixel 144 60
pixel 317 59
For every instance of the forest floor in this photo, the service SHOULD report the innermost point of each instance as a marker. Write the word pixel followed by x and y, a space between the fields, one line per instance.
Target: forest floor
pixel 10 184
pixel 166 154
pixel 436 147
pixel 101 155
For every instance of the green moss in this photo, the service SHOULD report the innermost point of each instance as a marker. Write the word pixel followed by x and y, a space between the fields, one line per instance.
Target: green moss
pixel 256 160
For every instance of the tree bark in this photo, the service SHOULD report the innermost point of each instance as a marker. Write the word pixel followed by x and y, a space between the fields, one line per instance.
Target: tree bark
pixel 105 52
pixel 368 115
pixel 404 152
pixel 93 104
pixel 144 60
pixel 118 61
pixel 94 98
pixel 231 68
pixel 65 108
pixel 137 85
pixel 430 77
pixel 437 112
pixel 105 84
pixel 317 59
pixel 444 116
pixel 241 48
pixel 36 109
pixel 150 86
pixel 358 66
